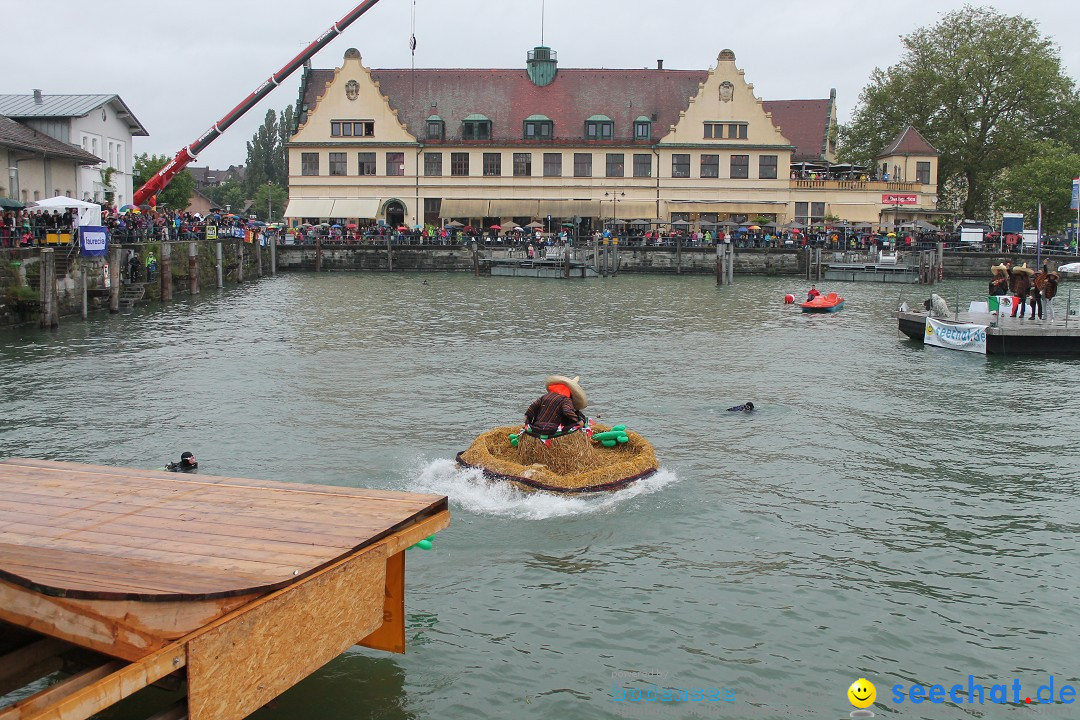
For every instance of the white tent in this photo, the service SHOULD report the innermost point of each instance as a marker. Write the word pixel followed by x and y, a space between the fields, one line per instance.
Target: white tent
pixel 89 213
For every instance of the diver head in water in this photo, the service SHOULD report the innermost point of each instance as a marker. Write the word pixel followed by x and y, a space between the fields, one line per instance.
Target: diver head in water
pixel 745 407
pixel 187 463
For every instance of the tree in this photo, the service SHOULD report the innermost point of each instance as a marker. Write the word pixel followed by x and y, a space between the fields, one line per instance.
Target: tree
pixel 267 154
pixel 285 133
pixel 229 194
pixel 177 194
pixel 981 87
pixel 1046 177
pixel 269 202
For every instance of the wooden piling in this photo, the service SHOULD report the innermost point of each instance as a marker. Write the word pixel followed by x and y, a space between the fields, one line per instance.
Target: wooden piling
pixel 390 257
pixel 566 262
pixel 85 298
pixel 475 259
pixel 614 257
pixel 220 269
pixel 193 269
pixel 719 264
pixel 240 261
pixel 731 263
pixel 50 311
pixel 678 254
pixel 115 253
pixel 258 255
pixel 318 254
pixel 166 272
pixel 273 256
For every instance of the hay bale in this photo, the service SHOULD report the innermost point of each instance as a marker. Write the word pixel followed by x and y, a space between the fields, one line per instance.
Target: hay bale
pixel 571 462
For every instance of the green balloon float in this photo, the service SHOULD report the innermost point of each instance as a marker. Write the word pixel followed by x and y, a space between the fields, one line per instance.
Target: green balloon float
pixel 424 544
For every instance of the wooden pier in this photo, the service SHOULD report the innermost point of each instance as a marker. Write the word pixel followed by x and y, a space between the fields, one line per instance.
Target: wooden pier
pixel 232 589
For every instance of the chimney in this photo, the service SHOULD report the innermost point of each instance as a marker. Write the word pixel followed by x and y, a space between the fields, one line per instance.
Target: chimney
pixel 659 64
pixel 37 97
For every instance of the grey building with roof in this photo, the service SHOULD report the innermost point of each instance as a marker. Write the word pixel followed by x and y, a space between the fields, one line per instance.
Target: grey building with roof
pixel 97 126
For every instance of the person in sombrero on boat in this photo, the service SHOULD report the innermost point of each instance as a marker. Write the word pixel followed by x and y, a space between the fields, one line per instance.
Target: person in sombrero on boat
pixel 559 409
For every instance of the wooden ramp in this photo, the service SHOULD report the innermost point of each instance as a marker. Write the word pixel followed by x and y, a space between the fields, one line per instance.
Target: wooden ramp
pixel 236 588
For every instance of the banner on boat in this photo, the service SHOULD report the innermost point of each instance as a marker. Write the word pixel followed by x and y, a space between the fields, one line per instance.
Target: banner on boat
pixel 956 336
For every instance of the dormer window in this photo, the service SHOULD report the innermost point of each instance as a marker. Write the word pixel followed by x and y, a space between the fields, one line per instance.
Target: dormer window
pixel 731 131
pixel 436 128
pixel 643 128
pixel 538 127
pixel 352 128
pixel 476 127
pixel 599 127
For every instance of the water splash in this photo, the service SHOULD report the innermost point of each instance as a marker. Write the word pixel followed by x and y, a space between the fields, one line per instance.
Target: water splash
pixel 470 490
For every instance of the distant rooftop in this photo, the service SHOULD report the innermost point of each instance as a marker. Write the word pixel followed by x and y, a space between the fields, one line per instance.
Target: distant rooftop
pixel 16 135
pixel 38 105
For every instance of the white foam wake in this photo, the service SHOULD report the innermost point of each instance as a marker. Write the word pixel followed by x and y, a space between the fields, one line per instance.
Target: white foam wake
pixel 470 490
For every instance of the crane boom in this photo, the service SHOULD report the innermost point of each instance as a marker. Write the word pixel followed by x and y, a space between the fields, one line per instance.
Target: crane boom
pixel 187 154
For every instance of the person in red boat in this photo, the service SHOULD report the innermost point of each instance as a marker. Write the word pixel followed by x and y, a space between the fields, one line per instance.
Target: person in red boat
pixel 814 292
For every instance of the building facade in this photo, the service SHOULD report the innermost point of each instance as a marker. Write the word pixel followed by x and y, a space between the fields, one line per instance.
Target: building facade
pixel 101 125
pixel 582 147
pixel 37 166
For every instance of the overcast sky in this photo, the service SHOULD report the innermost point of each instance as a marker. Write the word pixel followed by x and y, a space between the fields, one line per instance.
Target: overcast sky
pixel 181 66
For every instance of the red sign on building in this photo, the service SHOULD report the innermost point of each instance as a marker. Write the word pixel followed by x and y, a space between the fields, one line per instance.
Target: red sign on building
pixel 887 199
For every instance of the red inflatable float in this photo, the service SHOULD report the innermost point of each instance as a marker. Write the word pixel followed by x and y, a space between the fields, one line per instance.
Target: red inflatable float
pixel 789 299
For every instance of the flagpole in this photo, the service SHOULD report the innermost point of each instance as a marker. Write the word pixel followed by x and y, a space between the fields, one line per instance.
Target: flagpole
pixel 1038 240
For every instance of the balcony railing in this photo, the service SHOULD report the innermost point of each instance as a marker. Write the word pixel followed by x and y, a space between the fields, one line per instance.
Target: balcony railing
pixel 867 185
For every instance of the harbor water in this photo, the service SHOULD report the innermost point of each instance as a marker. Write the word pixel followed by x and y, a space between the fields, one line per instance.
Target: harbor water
pixel 890 511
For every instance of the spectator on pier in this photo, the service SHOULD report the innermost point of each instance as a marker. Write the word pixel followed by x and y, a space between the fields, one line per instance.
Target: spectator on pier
pixel 999 284
pixel 1049 291
pixel 133 267
pixel 151 266
pixel 1020 285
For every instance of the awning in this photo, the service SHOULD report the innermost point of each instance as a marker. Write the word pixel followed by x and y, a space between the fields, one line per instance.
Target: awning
pixel 452 208
pixel 631 209
pixel 367 208
pixel 310 207
pixel 569 208
pixel 736 207
pixel 513 208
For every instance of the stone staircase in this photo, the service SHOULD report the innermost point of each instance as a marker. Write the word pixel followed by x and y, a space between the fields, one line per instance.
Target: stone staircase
pixel 131 294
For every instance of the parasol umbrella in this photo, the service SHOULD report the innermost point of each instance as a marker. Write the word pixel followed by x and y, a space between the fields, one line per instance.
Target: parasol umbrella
pixel 454 224
pixel 402 228
pixel 350 226
pixel 620 223
pixel 753 227
pixel 9 204
pixel 639 222
pixel 681 223
pixel 494 227
pixel 795 225
pixel 535 225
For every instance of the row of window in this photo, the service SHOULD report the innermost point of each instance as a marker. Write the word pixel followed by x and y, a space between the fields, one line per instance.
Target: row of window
pixel 522 165
pixel 113 153
pixel 352 128
pixel 538 128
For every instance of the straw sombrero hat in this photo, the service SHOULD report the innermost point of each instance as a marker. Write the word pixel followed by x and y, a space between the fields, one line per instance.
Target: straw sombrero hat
pixel 999 268
pixel 1023 268
pixel 577 395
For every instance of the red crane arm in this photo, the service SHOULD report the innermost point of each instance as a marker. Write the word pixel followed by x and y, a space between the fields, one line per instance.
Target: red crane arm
pixel 186 155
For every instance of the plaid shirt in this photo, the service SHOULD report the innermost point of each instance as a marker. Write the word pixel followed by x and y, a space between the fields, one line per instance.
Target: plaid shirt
pixel 549 411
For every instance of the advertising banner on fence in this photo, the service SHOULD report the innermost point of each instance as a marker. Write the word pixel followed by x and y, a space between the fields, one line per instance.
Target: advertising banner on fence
pixel 211 232
pixel 93 240
pixel 956 336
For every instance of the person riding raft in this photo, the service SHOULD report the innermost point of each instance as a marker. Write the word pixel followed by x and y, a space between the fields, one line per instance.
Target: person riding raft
pixel 558 411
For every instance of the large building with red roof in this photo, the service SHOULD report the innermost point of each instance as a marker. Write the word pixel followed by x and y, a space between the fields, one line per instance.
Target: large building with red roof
pixel 493 147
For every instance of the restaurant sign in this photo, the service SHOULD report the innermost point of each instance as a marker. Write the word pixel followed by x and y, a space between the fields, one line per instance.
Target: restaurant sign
pixel 891 199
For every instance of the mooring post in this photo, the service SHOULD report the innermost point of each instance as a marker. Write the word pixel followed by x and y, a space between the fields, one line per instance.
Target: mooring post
pixel 82 281
pixel 193 268
pixel 390 257
pixel 318 254
pixel 50 312
pixel 475 259
pixel 719 264
pixel 566 261
pixel 220 270
pixel 596 254
pixel 614 256
pixel 273 256
pixel 115 253
pixel 166 272
pixel 240 261
pixel 941 261
pixel 258 255
pixel 678 254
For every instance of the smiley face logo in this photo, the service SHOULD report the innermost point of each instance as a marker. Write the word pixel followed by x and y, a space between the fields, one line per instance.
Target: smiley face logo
pixel 862 693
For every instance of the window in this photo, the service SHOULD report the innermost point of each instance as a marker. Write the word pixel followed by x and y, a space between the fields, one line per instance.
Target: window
pixel 680 166
pixel 817 212
pixel 714 130
pixel 642 165
pixel 365 163
pixel 599 127
pixel 93 146
pixel 121 156
pixel 740 166
pixel 710 166
pixel 922 173
pixel 552 164
pixel 582 164
pixel 432 206
pixel 309 163
pixel 642 129
pixel 767 167
pixel 737 131
pixel 436 128
pixel 474 129
pixel 492 164
pixel 522 164
pixel 395 163
pixel 616 165
pixel 338 164
pixel 433 164
pixel 802 213
pixel 459 164
pixel 538 127
pixel 352 128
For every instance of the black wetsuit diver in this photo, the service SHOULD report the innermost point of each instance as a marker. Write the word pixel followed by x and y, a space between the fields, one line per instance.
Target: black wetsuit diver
pixel 745 407
pixel 187 464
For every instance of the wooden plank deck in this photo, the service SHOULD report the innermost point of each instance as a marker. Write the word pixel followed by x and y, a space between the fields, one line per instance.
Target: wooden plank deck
pixel 122 578
pixel 108 533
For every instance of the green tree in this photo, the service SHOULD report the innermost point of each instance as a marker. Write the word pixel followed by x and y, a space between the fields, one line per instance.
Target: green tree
pixel 177 194
pixel 261 151
pixel 229 194
pixel 285 133
pixel 269 202
pixel 1044 177
pixel 981 87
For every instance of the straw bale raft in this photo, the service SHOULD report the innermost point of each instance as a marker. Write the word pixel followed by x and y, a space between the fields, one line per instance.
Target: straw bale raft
pixel 571 464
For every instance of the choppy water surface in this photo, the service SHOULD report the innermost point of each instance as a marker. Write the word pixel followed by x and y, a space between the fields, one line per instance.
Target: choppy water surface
pixel 893 512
